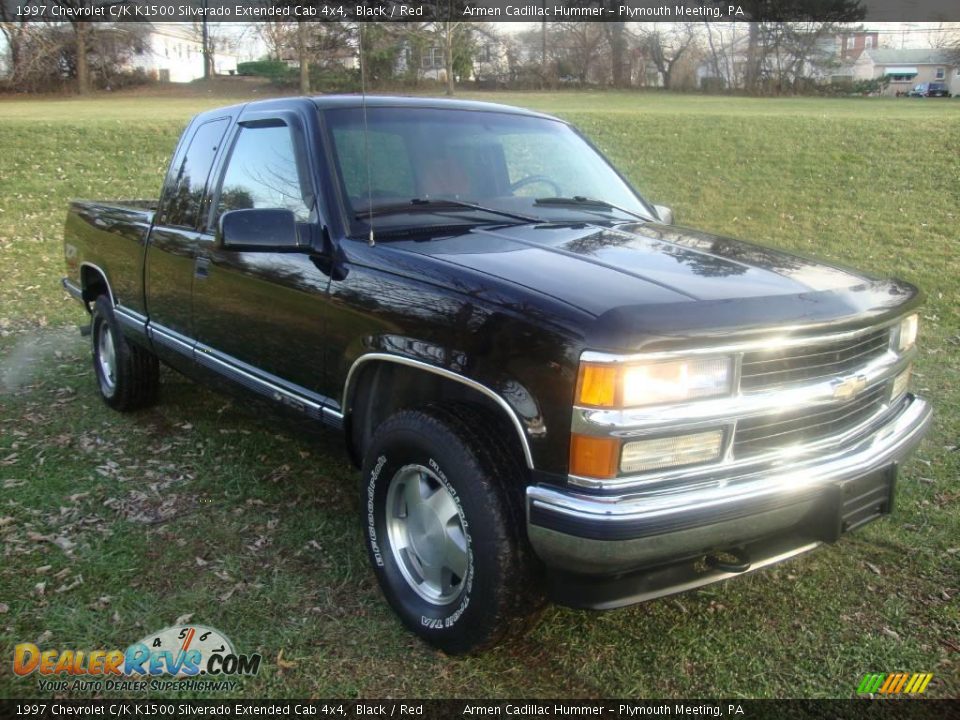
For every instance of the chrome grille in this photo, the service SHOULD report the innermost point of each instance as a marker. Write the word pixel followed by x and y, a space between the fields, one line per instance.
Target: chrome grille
pixel 770 432
pixel 767 368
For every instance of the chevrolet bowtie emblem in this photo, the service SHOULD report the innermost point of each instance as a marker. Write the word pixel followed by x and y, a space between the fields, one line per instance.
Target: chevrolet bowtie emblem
pixel 849 387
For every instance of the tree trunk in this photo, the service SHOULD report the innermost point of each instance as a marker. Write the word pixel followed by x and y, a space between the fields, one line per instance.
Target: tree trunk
pixel 83 69
pixel 618 47
pixel 448 59
pixel 302 55
pixel 752 77
pixel 207 55
pixel 544 73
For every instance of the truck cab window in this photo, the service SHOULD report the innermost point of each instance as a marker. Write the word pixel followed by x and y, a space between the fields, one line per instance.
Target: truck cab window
pixel 185 195
pixel 262 172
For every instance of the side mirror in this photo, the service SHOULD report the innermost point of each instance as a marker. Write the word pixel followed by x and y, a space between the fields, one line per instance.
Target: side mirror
pixel 664 213
pixel 259 229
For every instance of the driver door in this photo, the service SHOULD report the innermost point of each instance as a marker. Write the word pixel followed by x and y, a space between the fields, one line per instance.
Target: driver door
pixel 259 313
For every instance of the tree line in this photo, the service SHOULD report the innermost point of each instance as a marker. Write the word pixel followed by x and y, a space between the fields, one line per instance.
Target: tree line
pixel 758 57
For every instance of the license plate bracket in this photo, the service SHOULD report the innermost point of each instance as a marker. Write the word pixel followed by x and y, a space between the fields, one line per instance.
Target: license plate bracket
pixel 856 502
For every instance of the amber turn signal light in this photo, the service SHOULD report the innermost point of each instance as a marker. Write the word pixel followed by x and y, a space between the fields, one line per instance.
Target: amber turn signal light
pixel 598 385
pixel 594 457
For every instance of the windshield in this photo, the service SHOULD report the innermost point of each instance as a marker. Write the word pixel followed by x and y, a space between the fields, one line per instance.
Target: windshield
pixel 499 161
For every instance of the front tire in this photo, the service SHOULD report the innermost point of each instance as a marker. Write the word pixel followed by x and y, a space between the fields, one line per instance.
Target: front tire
pixel 128 376
pixel 443 524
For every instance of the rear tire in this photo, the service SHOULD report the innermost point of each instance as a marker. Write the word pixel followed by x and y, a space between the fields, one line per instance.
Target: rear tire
pixel 128 376
pixel 443 523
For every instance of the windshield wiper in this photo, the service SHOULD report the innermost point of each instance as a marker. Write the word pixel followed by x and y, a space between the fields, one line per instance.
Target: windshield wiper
pixel 586 203
pixel 416 205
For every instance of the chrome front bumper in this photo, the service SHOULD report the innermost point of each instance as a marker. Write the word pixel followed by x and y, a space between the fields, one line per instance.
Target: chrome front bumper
pixel 602 535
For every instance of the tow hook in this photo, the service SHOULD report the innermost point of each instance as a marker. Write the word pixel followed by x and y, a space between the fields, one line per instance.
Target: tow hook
pixel 731 561
pixel 85 329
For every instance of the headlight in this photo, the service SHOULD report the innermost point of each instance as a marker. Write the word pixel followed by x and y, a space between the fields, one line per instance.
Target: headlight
pixel 907 333
pixel 654 383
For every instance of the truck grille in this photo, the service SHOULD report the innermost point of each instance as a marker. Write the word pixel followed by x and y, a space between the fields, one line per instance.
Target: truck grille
pixel 766 368
pixel 762 434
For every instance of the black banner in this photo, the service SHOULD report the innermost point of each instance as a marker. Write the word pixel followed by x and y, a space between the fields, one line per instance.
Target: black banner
pixel 867 709
pixel 474 10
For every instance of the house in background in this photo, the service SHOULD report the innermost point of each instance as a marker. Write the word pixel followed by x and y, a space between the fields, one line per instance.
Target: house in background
pixel 171 52
pixel 905 68
pixel 850 46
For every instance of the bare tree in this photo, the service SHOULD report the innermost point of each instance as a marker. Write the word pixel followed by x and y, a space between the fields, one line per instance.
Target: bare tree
pixel 278 37
pixel 577 48
pixel 83 33
pixel 449 33
pixel 14 30
pixel 304 57
pixel 619 63
pixel 668 46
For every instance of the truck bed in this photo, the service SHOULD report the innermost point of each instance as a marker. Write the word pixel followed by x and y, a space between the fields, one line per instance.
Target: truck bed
pixel 111 236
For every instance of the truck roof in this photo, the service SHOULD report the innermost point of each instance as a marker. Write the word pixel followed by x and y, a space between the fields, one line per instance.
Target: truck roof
pixel 325 102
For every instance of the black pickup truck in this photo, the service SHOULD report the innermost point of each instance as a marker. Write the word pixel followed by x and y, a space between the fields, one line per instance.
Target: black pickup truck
pixel 551 389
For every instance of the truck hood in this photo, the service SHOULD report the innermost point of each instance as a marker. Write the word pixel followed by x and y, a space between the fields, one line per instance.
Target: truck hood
pixel 658 279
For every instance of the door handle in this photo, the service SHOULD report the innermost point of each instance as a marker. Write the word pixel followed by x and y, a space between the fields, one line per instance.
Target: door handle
pixel 201 268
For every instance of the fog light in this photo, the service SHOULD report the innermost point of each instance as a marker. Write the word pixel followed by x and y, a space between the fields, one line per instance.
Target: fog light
pixel 672 451
pixel 900 384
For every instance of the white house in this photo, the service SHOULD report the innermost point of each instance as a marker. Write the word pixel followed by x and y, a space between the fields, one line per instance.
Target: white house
pixel 172 52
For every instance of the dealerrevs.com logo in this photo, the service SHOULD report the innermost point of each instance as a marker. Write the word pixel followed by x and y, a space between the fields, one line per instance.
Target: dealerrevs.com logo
pixel 193 657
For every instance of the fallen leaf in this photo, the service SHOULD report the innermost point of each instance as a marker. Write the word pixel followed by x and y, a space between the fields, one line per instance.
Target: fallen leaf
pixel 77 581
pixel 40 588
pixel 63 543
pixel 874 568
pixel 284 664
pixel 229 593
pixel 890 633
pixel 183 619
pixel 201 562
pixel 4 608
pixel 42 569
pixel 44 637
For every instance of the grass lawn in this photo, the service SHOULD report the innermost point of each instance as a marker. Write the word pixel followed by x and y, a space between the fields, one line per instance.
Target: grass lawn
pixel 115 526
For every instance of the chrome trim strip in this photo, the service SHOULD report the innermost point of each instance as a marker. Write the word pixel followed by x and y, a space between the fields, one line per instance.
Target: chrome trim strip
pixel 289 394
pixel 450 375
pixel 170 339
pixel 785 339
pixel 131 319
pixel 890 443
pixel 634 422
pixel 72 289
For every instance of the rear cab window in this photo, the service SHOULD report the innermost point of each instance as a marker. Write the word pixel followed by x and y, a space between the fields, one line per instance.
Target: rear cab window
pixel 187 180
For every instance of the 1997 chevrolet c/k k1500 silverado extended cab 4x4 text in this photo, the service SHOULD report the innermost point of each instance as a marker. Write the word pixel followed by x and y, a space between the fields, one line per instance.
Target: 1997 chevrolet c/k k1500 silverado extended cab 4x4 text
pixel 551 389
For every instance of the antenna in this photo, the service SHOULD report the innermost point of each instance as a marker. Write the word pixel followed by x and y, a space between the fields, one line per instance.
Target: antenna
pixel 366 133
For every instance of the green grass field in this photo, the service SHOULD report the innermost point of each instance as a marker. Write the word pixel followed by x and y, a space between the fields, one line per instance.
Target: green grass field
pixel 115 526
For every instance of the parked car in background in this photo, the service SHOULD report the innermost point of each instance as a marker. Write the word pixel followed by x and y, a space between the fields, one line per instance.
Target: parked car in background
pixel 933 89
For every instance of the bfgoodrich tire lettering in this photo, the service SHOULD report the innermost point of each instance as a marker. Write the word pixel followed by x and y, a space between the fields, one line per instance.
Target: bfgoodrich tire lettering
pixel 442 527
pixel 127 375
